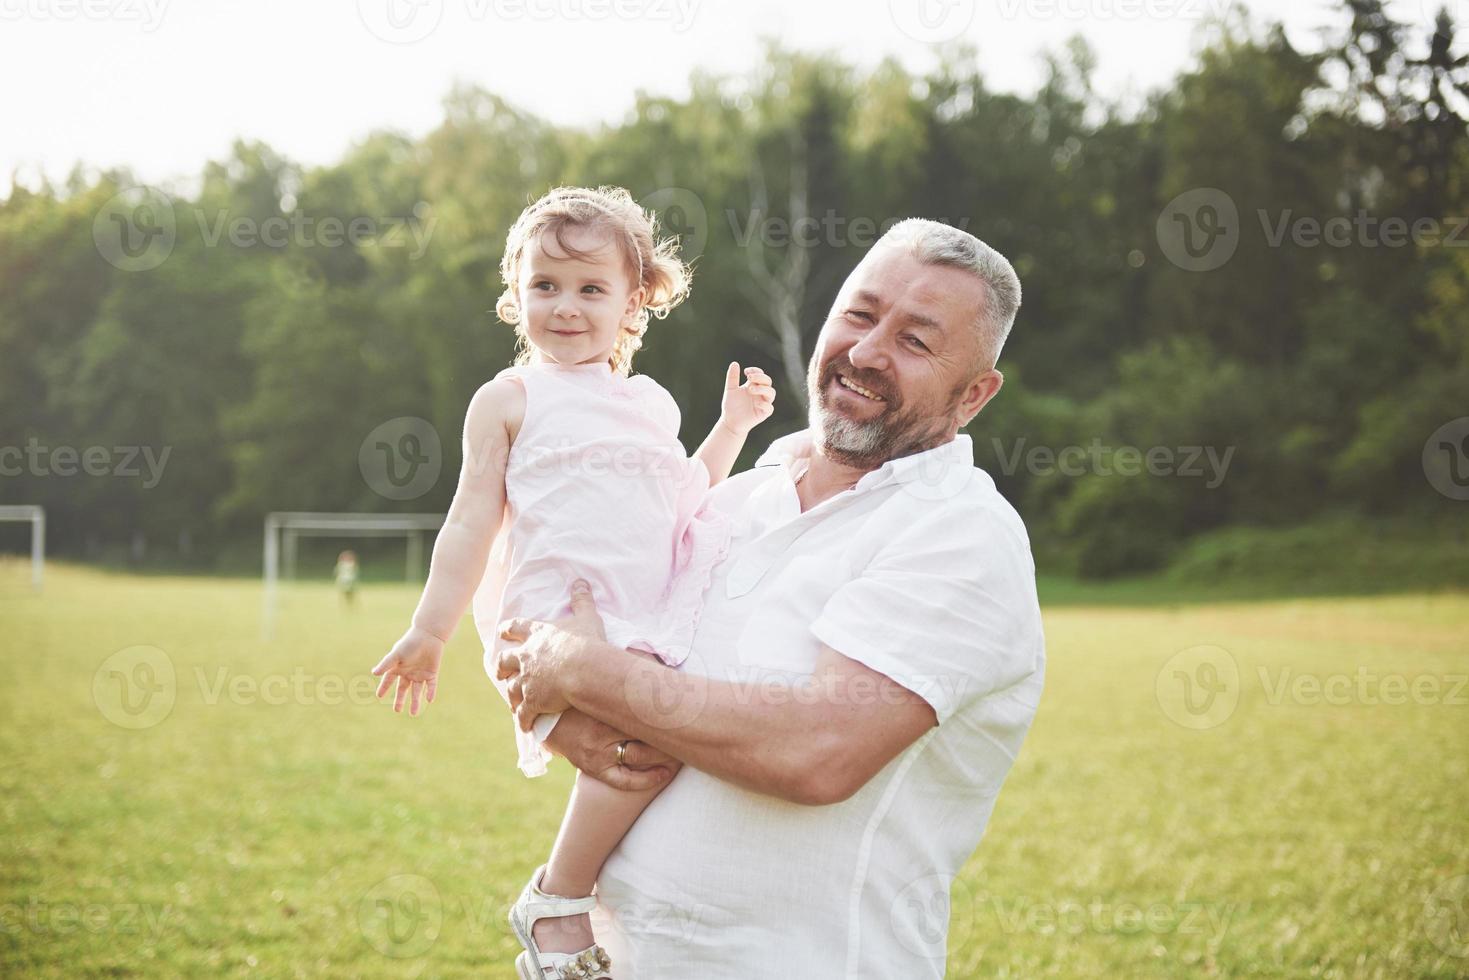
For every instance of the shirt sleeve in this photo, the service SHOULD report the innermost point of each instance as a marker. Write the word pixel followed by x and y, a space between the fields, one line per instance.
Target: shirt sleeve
pixel 660 404
pixel 947 609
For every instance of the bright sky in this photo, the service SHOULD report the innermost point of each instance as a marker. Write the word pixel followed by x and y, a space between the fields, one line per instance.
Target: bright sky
pixel 164 85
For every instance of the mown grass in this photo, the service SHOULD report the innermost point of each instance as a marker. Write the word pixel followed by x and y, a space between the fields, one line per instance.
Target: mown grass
pixel 277 821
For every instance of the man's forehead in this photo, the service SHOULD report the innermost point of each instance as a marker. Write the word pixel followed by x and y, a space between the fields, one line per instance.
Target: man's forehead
pixel 927 293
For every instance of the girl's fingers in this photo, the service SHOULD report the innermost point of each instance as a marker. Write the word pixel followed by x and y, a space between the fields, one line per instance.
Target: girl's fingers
pixel 417 690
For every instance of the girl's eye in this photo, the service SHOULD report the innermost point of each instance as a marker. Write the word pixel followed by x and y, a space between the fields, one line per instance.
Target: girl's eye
pixel 597 289
pixel 540 284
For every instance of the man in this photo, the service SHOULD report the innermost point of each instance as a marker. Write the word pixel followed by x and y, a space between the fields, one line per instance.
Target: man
pixel 867 663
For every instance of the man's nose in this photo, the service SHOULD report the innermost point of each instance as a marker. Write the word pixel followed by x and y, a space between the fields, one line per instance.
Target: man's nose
pixel 868 353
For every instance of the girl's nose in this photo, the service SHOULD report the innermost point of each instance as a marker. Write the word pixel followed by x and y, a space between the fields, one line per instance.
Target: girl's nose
pixel 565 310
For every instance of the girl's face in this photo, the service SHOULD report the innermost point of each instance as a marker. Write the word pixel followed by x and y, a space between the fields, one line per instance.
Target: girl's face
pixel 574 308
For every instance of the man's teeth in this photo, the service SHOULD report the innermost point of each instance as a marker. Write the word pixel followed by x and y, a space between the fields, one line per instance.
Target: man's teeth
pixel 858 389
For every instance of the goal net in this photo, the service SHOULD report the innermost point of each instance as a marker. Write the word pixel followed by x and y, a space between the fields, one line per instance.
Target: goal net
pixel 284 529
pixel 36 516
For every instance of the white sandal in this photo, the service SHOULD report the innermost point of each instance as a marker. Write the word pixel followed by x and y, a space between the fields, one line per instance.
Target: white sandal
pixel 533 905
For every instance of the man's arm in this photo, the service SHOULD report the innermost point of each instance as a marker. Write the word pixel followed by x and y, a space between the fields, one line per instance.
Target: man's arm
pixel 812 740
pixel 591 747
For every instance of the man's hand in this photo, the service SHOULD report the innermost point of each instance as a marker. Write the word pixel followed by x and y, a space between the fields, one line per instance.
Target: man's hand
pixel 592 747
pixel 745 406
pixel 536 671
pixel 414 661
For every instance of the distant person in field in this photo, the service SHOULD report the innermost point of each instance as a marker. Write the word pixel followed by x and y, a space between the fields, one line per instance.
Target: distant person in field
pixel 867 663
pixel 345 575
pixel 573 470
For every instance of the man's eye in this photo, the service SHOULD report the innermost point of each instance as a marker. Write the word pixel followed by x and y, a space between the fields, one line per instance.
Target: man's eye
pixel 861 315
pixel 921 345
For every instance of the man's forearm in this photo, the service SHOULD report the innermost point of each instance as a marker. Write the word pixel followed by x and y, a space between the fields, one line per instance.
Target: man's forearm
pixel 765 744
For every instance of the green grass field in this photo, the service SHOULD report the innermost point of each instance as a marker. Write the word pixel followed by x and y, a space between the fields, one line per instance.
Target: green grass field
pixel 1274 789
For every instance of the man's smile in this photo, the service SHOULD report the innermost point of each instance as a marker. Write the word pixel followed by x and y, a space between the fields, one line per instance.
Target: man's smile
pixel 851 385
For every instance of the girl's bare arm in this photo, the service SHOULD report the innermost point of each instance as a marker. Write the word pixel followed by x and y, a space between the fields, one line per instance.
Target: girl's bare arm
pixel 741 409
pixel 463 546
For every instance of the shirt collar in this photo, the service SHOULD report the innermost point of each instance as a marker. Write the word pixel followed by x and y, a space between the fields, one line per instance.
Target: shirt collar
pixel 942 464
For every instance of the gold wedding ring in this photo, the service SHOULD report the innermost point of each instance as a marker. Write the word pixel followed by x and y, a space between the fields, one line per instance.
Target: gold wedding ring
pixel 622 753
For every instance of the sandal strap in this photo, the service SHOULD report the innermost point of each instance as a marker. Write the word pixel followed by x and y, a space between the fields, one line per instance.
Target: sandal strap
pixel 591 963
pixel 539 905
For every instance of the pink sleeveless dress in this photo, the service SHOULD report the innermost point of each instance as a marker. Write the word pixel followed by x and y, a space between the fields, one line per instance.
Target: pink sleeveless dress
pixel 598 486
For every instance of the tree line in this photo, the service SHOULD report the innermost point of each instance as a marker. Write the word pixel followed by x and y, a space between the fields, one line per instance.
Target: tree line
pixel 1245 299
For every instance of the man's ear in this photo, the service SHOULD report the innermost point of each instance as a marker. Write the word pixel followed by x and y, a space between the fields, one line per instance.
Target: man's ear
pixel 978 393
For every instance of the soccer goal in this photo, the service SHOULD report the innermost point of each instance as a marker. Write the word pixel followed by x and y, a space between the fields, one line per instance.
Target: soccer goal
pixel 36 515
pixel 283 529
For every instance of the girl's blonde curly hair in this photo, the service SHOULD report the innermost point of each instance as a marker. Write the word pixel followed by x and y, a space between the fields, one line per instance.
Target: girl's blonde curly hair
pixel 652 263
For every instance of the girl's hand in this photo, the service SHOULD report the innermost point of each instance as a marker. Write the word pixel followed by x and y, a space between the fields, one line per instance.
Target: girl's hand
pixel 414 661
pixel 745 406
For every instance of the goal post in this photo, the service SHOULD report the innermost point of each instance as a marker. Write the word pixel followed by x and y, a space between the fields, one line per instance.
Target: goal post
pixel 36 515
pixel 283 529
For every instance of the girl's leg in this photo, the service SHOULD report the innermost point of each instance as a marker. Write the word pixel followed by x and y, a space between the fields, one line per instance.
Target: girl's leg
pixel 597 817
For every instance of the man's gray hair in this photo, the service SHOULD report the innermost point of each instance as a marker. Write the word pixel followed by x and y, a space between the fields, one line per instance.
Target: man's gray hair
pixel 935 243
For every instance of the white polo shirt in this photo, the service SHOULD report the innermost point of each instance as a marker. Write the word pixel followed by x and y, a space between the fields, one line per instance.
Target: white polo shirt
pixel 922 572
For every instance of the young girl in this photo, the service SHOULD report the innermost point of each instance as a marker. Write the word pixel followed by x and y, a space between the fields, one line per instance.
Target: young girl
pixel 346 575
pixel 573 469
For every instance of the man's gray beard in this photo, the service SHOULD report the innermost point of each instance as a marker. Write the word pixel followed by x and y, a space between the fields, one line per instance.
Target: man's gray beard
pixel 869 444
